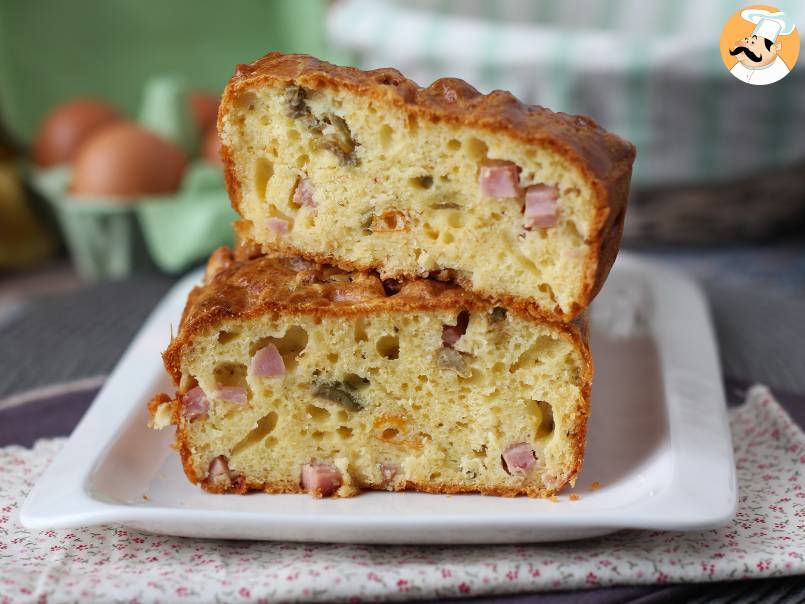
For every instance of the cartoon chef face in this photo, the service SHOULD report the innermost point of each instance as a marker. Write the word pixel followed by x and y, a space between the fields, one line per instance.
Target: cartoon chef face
pixel 755 51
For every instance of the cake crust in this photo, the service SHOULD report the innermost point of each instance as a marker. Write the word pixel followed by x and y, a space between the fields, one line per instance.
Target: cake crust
pixel 603 159
pixel 240 287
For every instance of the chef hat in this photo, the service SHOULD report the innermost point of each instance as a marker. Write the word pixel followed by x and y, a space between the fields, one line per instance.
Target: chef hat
pixel 768 25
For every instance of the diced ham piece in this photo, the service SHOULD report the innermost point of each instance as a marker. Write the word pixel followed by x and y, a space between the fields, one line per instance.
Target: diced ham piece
pixel 219 469
pixel 320 479
pixel 388 471
pixel 278 225
pixel 233 394
pixel 540 206
pixel 194 403
pixel 518 459
pixel 303 195
pixel 452 333
pixel 500 179
pixel 267 362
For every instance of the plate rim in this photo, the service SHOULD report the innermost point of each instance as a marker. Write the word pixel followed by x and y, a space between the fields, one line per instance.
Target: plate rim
pixel 56 502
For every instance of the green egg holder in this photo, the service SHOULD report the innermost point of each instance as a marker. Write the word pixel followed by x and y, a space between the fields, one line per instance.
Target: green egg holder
pixel 112 238
pixel 47 61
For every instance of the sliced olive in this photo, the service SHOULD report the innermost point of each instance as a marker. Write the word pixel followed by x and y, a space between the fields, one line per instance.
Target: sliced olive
pixel 295 99
pixel 355 382
pixel 337 393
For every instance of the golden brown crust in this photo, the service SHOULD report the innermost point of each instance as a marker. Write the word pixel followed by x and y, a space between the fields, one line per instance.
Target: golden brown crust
pixel 603 159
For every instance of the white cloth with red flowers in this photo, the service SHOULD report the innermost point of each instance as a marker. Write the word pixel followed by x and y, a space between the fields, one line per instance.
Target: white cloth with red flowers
pixel 765 539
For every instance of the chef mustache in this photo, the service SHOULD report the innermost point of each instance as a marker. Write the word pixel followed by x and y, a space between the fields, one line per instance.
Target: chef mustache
pixel 750 55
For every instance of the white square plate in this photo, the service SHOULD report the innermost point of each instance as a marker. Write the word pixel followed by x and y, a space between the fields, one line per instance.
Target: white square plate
pixel 658 444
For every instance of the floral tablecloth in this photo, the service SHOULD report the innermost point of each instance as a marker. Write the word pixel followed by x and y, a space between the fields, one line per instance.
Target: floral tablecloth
pixel 765 539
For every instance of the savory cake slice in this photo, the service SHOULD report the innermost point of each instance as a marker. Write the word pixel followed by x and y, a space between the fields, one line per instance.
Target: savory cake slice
pixel 366 170
pixel 292 377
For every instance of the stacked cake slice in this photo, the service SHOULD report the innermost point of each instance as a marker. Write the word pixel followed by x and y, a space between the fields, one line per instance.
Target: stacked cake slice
pixel 405 309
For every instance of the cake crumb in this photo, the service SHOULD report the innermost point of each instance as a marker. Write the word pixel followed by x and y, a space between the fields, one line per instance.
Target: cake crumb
pixel 595 486
pixel 574 497
pixel 554 499
pixel 145 497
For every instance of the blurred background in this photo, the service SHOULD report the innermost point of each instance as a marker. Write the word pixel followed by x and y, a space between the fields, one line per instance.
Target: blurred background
pixel 110 186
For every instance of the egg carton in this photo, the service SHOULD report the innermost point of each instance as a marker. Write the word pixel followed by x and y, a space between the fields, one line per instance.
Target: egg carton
pixel 113 238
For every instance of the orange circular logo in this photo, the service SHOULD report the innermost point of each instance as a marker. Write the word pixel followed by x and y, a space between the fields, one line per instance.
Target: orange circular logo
pixel 759 44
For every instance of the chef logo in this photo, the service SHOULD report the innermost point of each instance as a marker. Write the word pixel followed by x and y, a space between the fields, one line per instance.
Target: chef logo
pixel 759 45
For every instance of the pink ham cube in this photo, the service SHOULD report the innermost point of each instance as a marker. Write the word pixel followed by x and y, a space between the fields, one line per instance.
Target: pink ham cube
pixel 500 179
pixel 277 225
pixel 320 479
pixel 540 206
pixel 267 362
pixel 194 403
pixel 518 459
pixel 303 195
pixel 233 394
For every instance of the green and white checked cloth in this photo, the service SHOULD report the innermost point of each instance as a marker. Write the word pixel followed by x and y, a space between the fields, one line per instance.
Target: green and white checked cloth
pixel 649 71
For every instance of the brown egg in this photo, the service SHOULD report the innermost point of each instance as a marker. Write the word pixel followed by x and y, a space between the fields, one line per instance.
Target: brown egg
pixel 125 160
pixel 211 151
pixel 66 127
pixel 205 109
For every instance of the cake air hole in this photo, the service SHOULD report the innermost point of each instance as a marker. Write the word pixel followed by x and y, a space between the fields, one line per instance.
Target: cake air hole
pixel 265 425
pixel 477 149
pixel 344 432
pixel 454 144
pixel 289 345
pixel 360 330
pixel 230 374
pixel 302 160
pixel 332 357
pixel 263 171
pixel 547 290
pixel 421 182
pixel 386 135
pixel 531 356
pixel 430 232
pixel 227 336
pixel 316 413
pixel 546 426
pixel 389 434
pixel 293 135
pixel 455 220
pixel 388 347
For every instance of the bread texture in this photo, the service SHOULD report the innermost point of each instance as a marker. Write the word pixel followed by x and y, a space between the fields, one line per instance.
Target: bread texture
pixel 366 170
pixel 294 377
